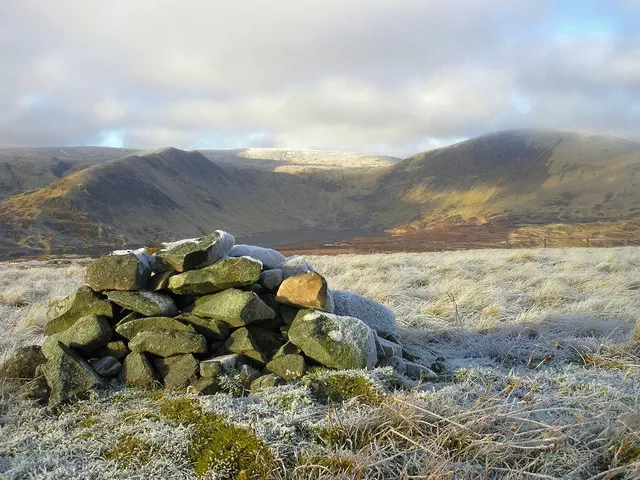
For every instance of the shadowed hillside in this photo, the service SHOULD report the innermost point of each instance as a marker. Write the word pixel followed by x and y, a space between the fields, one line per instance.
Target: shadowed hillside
pixel 511 179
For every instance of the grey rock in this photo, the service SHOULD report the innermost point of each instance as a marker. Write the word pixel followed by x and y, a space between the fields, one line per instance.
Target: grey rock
pixel 419 372
pixel 267 256
pixel 215 366
pixel 192 253
pixel 106 367
pixel 294 265
pixel 137 371
pixel 85 336
pixel 22 363
pixel 62 314
pixel 149 304
pixel 177 372
pixel 228 273
pixel 235 307
pixel 166 343
pixel 271 279
pixel 375 315
pixel 131 328
pixel 120 270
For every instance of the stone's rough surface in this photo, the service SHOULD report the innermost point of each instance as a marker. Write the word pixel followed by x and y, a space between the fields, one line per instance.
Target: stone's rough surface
pixel 206 386
pixel 177 372
pixel 235 307
pixel 335 341
pixel 22 363
pixel 247 375
pixel 375 315
pixel 64 313
pixel 166 343
pixel 255 343
pixel 397 363
pixel 215 366
pixel 287 349
pixel 123 270
pixel 69 376
pixel 132 328
pixel 307 290
pixel 420 372
pixel 213 330
pixel 289 366
pixel 137 371
pixel 294 265
pixel 389 348
pixel 288 314
pixel 85 336
pixel 193 253
pixel 106 367
pixel 271 279
pixel 229 273
pixel 160 280
pixel 267 256
pixel 150 304
pixel 265 381
pixel 117 350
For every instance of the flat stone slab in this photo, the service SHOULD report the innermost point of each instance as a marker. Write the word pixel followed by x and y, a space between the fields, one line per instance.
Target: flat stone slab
pixel 237 308
pixel 166 343
pixel 61 314
pixel 150 304
pixel 192 253
pixel 228 273
pixel 267 256
pixel 119 270
pixel 131 328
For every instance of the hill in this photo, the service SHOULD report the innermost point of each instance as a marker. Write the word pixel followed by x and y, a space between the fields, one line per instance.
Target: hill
pixel 518 180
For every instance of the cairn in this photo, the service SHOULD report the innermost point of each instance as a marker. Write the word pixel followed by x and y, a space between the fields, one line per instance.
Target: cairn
pixel 185 314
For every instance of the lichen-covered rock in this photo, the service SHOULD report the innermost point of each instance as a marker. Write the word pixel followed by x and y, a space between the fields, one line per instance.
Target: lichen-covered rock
pixel 131 328
pixel 265 381
pixel 288 366
pixel 271 279
pixel 150 304
pixel 22 363
pixel 213 330
pixel 62 314
pixel 206 386
pixel 334 341
pixel 166 343
pixel 267 256
pixel 106 367
pixel 419 372
pixel 177 372
pixel 375 315
pixel 119 270
pixel 287 349
pixel 193 253
pixel 255 343
pixel 116 349
pixel 235 307
pixel 228 273
pixel 69 376
pixel 307 290
pixel 85 336
pixel 294 265
pixel 215 366
pixel 137 371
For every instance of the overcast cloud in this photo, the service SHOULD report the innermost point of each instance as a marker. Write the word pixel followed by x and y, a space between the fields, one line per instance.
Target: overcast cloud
pixel 392 76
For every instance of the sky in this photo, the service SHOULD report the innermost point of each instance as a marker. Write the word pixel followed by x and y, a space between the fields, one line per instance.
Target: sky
pixel 379 76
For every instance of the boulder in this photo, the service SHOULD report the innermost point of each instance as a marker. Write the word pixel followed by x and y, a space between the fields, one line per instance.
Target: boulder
pixel 213 330
pixel 22 363
pixel 288 366
pixel 419 372
pixel 194 253
pixel 388 348
pixel 294 265
pixel 137 371
pixel 149 304
pixel 307 290
pixel 334 341
pixel 287 349
pixel 235 307
pixel 69 376
pixel 106 367
pixel 85 336
pixel 228 273
pixel 397 363
pixel 255 343
pixel 132 328
pixel 62 314
pixel 206 386
pixel 267 256
pixel 177 372
pixel 265 381
pixel 215 366
pixel 119 270
pixel 117 349
pixel 271 279
pixel 375 315
pixel 166 343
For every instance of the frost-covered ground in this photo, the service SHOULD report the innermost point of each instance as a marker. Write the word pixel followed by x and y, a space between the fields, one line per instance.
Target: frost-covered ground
pixel 541 380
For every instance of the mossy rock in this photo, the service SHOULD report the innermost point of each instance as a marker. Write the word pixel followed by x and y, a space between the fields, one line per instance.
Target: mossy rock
pixel 166 343
pixel 255 343
pixel 86 336
pixel 229 273
pixel 234 307
pixel 266 381
pixel 177 372
pixel 149 304
pixel 212 330
pixel 62 314
pixel 131 328
pixel 288 366
pixel 137 371
pixel 116 349
pixel 22 363
pixel 193 253
pixel 123 270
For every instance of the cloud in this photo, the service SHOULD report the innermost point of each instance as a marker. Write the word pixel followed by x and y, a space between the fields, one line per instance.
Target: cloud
pixel 369 75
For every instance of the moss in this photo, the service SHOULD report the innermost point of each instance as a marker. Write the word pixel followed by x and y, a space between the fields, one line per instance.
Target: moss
pixel 89 422
pixel 354 437
pixel 339 387
pixel 134 416
pixel 218 444
pixel 85 436
pixel 130 451
pixel 625 453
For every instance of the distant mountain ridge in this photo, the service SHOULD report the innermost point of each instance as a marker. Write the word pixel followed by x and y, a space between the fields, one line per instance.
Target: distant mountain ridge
pixel 513 178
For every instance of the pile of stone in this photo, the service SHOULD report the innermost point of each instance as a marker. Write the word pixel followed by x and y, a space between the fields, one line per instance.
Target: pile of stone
pixel 188 313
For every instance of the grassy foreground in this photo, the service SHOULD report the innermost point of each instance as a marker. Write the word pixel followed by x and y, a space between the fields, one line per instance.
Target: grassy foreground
pixel 541 381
